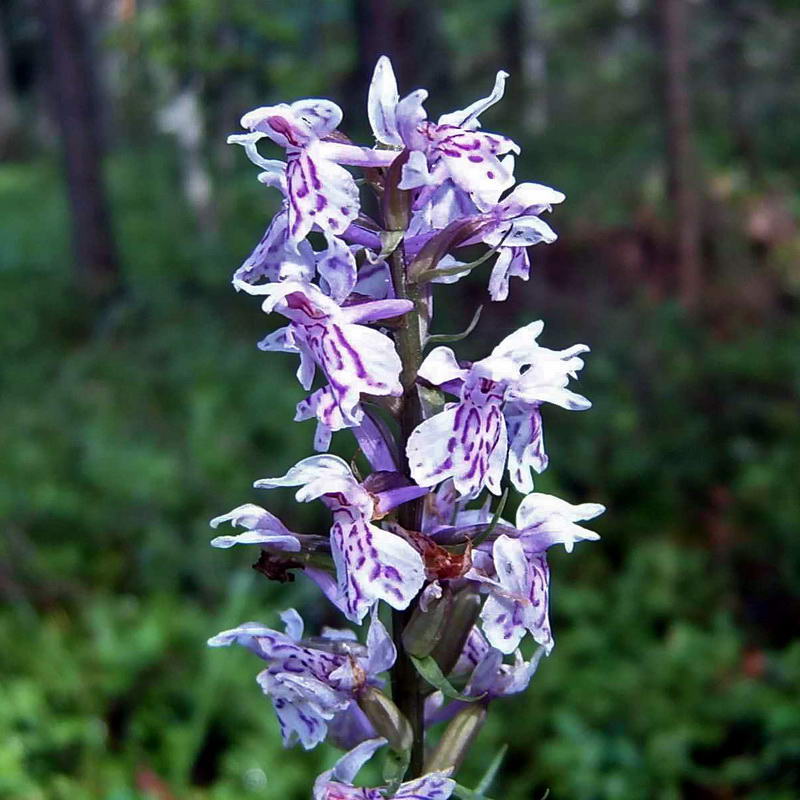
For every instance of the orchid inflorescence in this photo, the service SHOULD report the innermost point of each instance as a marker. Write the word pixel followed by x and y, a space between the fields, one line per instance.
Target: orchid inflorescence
pixel 465 585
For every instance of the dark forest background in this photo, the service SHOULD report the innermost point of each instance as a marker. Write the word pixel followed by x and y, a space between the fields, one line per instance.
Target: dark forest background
pixel 135 406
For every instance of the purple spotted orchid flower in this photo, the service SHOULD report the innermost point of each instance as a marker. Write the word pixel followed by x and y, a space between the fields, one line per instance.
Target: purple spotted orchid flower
pixel 518 575
pixel 312 683
pixel 354 358
pixel 497 417
pixel 320 192
pixel 371 563
pixel 337 782
pixel 448 156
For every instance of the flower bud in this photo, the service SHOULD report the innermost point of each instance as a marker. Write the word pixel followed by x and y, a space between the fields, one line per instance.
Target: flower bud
pixel 424 630
pixel 457 739
pixel 463 613
pixel 386 718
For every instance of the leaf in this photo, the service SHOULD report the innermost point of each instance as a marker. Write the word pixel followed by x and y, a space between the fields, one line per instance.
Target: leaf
pixel 437 246
pixel 464 793
pixel 442 338
pixel 395 764
pixel 486 781
pixel 495 519
pixel 439 272
pixel 429 670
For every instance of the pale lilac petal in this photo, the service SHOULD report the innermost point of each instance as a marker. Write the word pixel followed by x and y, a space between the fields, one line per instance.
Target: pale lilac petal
pixel 280 124
pixel 485 673
pixel 263 528
pixel 248 635
pixel 441 366
pixel 433 786
pixel 388 499
pixel 475 649
pixel 355 155
pixel 349 728
pixel 374 279
pixel 381 649
pixel 347 767
pixel 521 232
pixel 279 341
pixel 375 310
pixel 249 142
pixel 544 520
pixel 467 443
pixel 520 346
pixel 323 405
pixel 415 172
pixel 473 162
pixel 467 118
pixel 337 267
pixel 319 475
pixel 373 564
pixel 410 116
pixel 529 198
pixel 287 543
pixel 321 116
pixel 511 262
pixel 370 364
pixel 376 443
pixel 293 623
pixel 382 103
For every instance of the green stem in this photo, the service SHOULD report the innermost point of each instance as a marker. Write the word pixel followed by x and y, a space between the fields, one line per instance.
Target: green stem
pixel 409 338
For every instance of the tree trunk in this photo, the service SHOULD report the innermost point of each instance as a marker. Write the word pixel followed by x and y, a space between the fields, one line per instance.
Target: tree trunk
pixel 407 32
pixel 76 109
pixel 533 61
pixel 681 160
pixel 9 113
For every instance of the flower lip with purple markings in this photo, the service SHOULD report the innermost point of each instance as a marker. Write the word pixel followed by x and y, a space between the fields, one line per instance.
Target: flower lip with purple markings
pixel 311 683
pixel 470 440
pixel 371 563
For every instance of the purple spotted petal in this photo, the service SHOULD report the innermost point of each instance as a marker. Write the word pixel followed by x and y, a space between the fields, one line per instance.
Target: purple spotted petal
pixel 525 445
pixel 276 257
pixel 320 192
pixel 467 443
pixel 303 704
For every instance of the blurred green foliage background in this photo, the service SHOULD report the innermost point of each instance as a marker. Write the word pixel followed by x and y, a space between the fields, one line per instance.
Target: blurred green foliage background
pixel 133 416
